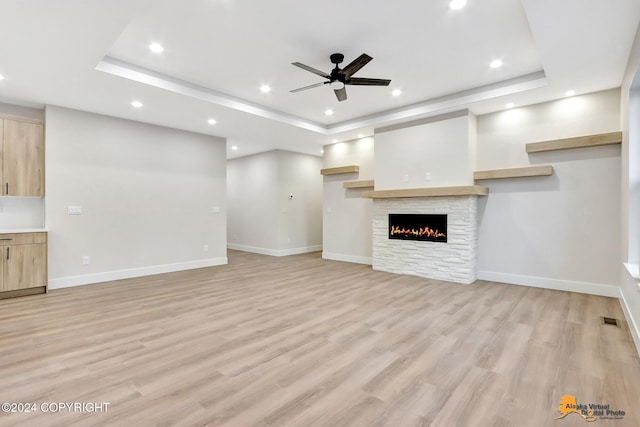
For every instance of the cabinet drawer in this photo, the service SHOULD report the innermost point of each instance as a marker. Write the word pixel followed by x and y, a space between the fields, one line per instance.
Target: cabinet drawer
pixel 22 238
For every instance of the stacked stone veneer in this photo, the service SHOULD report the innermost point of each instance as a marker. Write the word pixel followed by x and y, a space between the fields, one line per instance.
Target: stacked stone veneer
pixel 454 261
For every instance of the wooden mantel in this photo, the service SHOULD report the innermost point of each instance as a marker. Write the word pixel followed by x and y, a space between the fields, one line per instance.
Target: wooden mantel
pixel 465 190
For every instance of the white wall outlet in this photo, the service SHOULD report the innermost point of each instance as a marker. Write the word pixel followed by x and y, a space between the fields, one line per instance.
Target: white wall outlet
pixel 85 260
pixel 427 176
pixel 405 177
pixel 74 210
pixel 215 209
pixel 284 210
pixel 205 248
pixel 289 239
pixel 329 210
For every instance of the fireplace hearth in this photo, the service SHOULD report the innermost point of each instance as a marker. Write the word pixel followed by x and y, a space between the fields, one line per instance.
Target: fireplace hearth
pixel 422 227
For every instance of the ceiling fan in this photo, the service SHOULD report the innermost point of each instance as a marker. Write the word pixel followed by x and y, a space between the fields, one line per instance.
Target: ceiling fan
pixel 338 78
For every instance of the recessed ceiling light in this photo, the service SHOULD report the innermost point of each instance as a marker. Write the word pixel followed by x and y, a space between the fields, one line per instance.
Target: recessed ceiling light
pixel 360 135
pixel 329 112
pixel 265 89
pixel 156 48
pixel 1 77
pixel 136 104
pixel 334 140
pixel 321 151
pixel 496 63
pixel 212 121
pixel 234 147
pixel 457 4
pixel 396 92
pixel 570 93
pixel 510 105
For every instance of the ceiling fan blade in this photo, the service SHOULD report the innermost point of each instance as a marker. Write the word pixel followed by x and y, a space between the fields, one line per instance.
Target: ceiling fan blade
pixel 357 63
pixel 368 82
pixel 341 94
pixel 308 87
pixel 311 69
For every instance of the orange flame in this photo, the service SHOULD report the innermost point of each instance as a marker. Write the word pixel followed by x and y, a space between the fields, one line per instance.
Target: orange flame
pixel 420 232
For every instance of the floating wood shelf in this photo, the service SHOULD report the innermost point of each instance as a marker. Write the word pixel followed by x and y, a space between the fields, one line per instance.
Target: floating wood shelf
pixel 341 169
pixel 542 170
pixel 466 190
pixel 358 184
pixel 577 142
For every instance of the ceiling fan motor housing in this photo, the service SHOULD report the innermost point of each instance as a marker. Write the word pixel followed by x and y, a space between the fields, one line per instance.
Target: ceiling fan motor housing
pixel 336 58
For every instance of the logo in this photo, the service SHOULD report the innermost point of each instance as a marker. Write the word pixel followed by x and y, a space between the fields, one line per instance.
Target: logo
pixel 589 412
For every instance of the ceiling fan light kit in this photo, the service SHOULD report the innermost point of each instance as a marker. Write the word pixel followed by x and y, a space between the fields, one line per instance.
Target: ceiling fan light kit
pixel 338 77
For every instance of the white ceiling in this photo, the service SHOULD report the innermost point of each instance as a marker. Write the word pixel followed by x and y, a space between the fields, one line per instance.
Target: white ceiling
pixel 93 55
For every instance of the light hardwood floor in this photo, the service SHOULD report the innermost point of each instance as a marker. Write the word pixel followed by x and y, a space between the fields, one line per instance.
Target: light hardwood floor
pixel 300 341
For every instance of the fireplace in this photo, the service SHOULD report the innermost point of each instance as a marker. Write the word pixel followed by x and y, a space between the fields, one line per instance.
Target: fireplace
pixel 424 227
pixel 455 261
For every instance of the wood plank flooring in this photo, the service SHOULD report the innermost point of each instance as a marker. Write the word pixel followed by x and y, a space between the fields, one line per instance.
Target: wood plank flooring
pixel 300 341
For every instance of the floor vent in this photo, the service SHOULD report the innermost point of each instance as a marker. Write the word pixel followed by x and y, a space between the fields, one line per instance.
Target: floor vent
pixel 610 321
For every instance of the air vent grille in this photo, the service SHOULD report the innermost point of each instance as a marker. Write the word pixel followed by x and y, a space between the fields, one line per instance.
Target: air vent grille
pixel 610 321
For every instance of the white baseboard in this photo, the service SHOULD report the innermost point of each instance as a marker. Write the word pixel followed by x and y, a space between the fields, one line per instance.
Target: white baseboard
pixel 274 252
pixel 631 321
pixel 556 284
pixel 347 258
pixel 67 282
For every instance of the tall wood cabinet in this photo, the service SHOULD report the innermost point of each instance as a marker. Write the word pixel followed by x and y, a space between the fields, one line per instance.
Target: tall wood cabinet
pixel 23 255
pixel 23 264
pixel 22 151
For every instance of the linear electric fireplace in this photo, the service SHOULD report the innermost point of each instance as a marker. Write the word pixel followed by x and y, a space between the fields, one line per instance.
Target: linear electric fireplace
pixel 425 227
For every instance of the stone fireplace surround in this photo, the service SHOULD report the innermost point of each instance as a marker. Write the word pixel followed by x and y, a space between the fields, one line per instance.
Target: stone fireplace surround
pixel 454 261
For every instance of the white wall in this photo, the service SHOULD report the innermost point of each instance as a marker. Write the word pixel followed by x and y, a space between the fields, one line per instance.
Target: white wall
pixel 561 231
pixel 300 226
pixel 439 145
pixel 630 291
pixel 347 217
pixel 21 212
pixel 510 129
pixel 630 206
pixel 146 194
pixel 262 218
pixel 252 196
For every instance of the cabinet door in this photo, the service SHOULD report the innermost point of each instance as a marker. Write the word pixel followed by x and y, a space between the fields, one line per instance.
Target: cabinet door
pixel 1 155
pixel 23 159
pixel 3 252
pixel 25 266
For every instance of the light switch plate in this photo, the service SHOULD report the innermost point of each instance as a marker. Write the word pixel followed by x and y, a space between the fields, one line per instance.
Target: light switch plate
pixel 74 210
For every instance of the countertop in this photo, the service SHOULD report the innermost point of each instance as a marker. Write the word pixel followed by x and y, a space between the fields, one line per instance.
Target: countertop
pixel 23 230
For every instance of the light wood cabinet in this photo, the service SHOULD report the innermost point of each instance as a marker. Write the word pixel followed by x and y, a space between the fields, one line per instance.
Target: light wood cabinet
pixel 23 267
pixel 22 151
